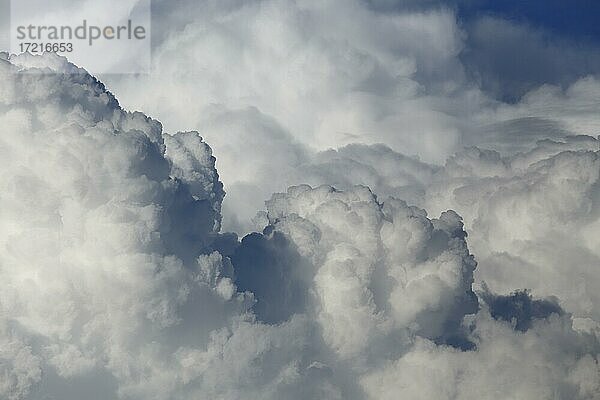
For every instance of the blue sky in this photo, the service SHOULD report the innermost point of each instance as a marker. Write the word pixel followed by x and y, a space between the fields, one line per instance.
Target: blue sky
pixel 514 46
pixel 577 19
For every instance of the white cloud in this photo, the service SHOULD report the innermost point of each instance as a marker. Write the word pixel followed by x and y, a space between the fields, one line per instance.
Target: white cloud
pixel 98 239
pixel 116 277
pixel 542 363
pixel 331 73
pixel 532 217
pixel 382 271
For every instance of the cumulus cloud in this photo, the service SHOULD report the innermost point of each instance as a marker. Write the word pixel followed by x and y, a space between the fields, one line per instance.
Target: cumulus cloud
pixel 117 279
pixel 544 362
pixel 531 215
pixel 370 290
pixel 388 281
pixel 102 228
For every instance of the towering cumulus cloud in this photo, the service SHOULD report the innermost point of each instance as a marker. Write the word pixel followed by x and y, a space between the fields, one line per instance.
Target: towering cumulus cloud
pixel 102 227
pixel 382 270
pixel 116 282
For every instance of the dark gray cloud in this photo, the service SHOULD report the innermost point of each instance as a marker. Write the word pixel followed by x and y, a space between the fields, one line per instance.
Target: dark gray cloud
pixel 270 266
pixel 520 308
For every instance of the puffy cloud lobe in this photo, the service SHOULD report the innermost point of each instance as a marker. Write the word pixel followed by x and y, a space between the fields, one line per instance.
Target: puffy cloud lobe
pixel 550 360
pixel 256 155
pixel 530 215
pixel 382 269
pixel 95 215
pixel 376 166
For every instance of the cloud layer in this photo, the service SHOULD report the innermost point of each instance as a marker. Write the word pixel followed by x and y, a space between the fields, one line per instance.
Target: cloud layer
pixel 117 281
